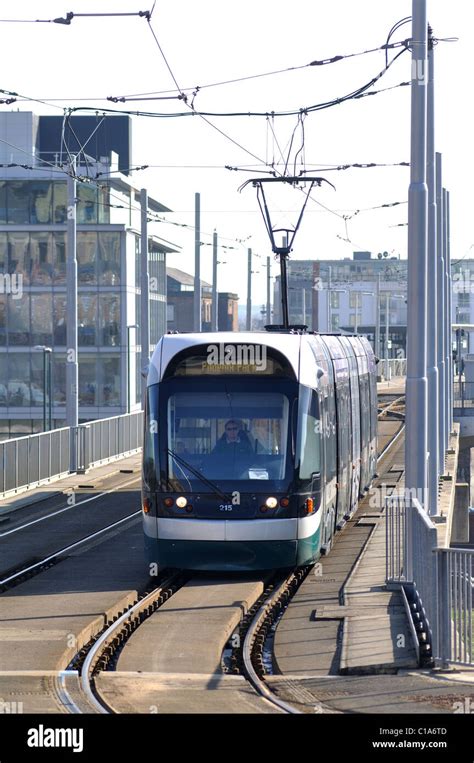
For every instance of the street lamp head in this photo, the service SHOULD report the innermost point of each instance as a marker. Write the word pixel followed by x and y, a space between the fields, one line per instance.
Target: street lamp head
pixel 42 347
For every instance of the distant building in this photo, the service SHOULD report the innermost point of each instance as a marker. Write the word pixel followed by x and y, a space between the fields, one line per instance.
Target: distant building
pixel 180 304
pixel 352 285
pixel 33 253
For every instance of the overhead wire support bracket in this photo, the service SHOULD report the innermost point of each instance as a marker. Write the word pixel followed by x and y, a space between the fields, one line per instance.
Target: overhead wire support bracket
pixel 283 251
pixel 291 180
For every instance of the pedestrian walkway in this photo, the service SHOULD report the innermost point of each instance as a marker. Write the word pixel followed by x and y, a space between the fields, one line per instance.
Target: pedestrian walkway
pixel 71 483
pixel 342 619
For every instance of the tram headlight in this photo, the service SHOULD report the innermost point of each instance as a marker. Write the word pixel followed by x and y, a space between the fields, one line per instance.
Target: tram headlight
pixel 181 502
pixel 271 503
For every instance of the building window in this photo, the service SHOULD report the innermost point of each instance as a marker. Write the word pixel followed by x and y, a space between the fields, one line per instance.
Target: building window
pixel 87 258
pixel 60 202
pixel 41 197
pixel 169 313
pixel 59 379
pixel 87 319
pixel 87 204
pixel 109 369
pixel 335 301
pixel 3 202
pixel 3 321
pixel 37 378
pixel 87 382
pixel 464 298
pixel 19 321
pixel 109 258
pixel 18 379
pixel 59 258
pixel 41 258
pixel 19 259
pixel 109 320
pixel 334 322
pixel 41 319
pixel 3 381
pixel 18 203
pixel 59 319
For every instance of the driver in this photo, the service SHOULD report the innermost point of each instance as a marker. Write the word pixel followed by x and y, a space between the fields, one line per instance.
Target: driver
pixel 234 441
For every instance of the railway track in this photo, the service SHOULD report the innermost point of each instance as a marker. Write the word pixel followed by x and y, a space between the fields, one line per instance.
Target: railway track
pixel 27 571
pixel 252 653
pixel 20 546
pixel 77 685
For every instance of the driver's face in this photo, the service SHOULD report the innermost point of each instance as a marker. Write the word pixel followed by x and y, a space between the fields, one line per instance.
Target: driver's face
pixel 232 431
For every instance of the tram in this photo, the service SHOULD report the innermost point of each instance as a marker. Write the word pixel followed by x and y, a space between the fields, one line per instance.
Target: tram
pixel 257 447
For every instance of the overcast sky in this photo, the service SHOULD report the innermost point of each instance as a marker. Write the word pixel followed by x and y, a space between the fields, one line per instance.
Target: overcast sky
pixel 213 41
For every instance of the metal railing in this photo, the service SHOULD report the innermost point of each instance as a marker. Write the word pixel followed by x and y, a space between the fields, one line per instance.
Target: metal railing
pixel 455 583
pixel 439 581
pixel 33 460
pixel 392 367
pixel 395 527
pixel 26 462
pixel 463 397
pixel 106 439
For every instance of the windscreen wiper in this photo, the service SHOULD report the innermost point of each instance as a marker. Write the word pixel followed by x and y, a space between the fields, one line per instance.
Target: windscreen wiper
pixel 198 474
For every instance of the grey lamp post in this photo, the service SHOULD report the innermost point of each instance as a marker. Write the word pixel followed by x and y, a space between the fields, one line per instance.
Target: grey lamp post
pixel 365 293
pixel 129 402
pixel 388 297
pixel 47 352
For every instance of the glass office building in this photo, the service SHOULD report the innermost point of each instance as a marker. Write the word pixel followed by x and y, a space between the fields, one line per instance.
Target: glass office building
pixel 33 299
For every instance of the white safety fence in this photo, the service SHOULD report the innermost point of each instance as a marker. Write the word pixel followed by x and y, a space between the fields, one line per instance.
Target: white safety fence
pixel 391 368
pixel 438 581
pixel 26 462
pixel 29 461
pixel 107 439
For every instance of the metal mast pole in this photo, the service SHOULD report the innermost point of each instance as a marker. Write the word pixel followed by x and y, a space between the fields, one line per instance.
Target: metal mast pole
pixel 72 404
pixel 387 333
pixel 356 323
pixel 441 282
pixel 377 318
pixel 44 390
pixel 329 301
pixel 447 320
pixel 197 262
pixel 249 290
pixel 416 450
pixel 269 283
pixel 214 283
pixel 450 292
pixel 145 290
pixel 50 390
pixel 432 370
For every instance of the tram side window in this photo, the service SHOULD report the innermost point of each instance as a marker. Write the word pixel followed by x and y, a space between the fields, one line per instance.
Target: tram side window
pixel 330 431
pixel 309 434
pixel 150 440
pixel 364 404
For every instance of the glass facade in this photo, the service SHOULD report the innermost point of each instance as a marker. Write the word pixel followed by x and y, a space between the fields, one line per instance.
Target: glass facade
pixel 22 380
pixel 33 311
pixel 33 304
pixel 44 202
